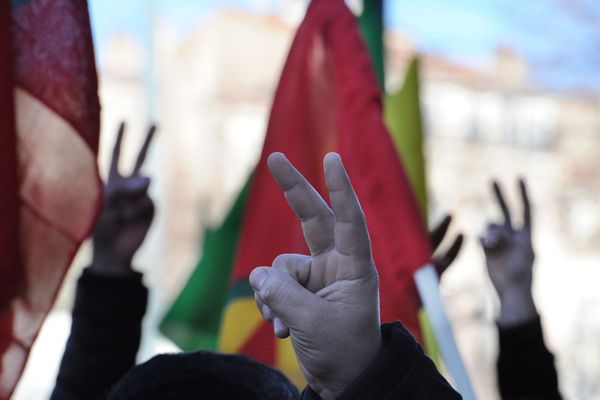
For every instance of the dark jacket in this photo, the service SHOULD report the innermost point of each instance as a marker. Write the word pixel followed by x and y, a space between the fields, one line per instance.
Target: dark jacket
pixel 400 371
pixel 105 336
pixel 525 366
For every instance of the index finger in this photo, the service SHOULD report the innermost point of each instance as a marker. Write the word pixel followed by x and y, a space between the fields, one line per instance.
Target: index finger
pixel 144 150
pixel 502 204
pixel 316 217
pixel 526 205
pixel 114 164
pixel 351 235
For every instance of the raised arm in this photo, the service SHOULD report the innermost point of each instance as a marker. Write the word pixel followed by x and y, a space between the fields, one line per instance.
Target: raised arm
pixel 525 366
pixel 111 300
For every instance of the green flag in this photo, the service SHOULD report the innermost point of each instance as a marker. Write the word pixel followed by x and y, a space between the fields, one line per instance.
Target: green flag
pixel 404 120
pixel 371 25
pixel 195 317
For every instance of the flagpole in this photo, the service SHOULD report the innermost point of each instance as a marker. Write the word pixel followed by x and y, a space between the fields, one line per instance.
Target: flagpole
pixel 428 283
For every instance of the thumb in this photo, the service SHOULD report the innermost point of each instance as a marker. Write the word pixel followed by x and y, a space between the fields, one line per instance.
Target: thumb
pixel 288 300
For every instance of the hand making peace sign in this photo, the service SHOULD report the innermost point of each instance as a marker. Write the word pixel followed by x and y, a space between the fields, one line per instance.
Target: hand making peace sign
pixel 126 214
pixel 509 256
pixel 327 301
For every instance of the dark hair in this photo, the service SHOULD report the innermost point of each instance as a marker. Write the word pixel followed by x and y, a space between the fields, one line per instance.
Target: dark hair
pixel 203 375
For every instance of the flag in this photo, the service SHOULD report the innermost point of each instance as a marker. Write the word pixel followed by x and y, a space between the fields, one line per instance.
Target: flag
pixel 51 190
pixel 371 25
pixel 194 319
pixel 402 109
pixel 403 118
pixel 328 99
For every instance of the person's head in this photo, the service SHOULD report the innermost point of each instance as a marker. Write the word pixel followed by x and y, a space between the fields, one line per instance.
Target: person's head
pixel 203 375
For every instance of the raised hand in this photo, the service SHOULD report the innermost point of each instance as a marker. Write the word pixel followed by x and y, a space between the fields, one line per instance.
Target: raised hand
pixel 327 302
pixel 126 215
pixel 436 236
pixel 509 257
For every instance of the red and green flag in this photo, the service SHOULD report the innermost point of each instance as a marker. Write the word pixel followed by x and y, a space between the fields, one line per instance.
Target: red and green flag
pixel 328 98
pixel 49 183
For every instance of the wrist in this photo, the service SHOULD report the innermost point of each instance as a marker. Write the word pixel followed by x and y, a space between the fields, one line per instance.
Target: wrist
pixel 516 307
pixel 108 263
pixel 365 356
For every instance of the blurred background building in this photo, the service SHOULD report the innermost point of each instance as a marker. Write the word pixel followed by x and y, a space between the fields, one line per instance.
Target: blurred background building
pixel 206 75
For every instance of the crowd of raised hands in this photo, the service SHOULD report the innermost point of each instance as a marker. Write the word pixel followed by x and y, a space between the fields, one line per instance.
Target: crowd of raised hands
pixel 327 302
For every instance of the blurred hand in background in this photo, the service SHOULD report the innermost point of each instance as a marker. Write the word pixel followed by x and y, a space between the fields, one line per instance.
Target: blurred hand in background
pixel 443 259
pixel 126 215
pixel 509 257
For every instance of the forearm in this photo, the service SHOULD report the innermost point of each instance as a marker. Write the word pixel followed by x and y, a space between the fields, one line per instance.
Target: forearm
pixel 525 366
pixel 105 334
pixel 401 370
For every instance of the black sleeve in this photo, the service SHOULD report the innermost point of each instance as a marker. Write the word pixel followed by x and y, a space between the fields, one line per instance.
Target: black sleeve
pixel 105 335
pixel 400 371
pixel 525 366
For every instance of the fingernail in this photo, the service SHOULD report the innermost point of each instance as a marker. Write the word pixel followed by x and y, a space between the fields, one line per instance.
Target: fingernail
pixel 257 278
pixel 333 154
pixel 266 312
pixel 281 331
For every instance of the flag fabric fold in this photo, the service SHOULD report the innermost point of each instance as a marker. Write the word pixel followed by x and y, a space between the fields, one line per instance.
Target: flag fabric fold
pixel 55 108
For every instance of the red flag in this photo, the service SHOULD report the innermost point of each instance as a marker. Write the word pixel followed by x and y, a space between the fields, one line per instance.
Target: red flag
pixel 49 184
pixel 328 99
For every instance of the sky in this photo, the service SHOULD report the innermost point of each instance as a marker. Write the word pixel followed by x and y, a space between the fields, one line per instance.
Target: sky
pixel 560 46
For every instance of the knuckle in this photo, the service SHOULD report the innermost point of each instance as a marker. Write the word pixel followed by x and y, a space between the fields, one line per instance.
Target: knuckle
pixel 284 261
pixel 270 290
pixel 327 216
pixel 280 261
